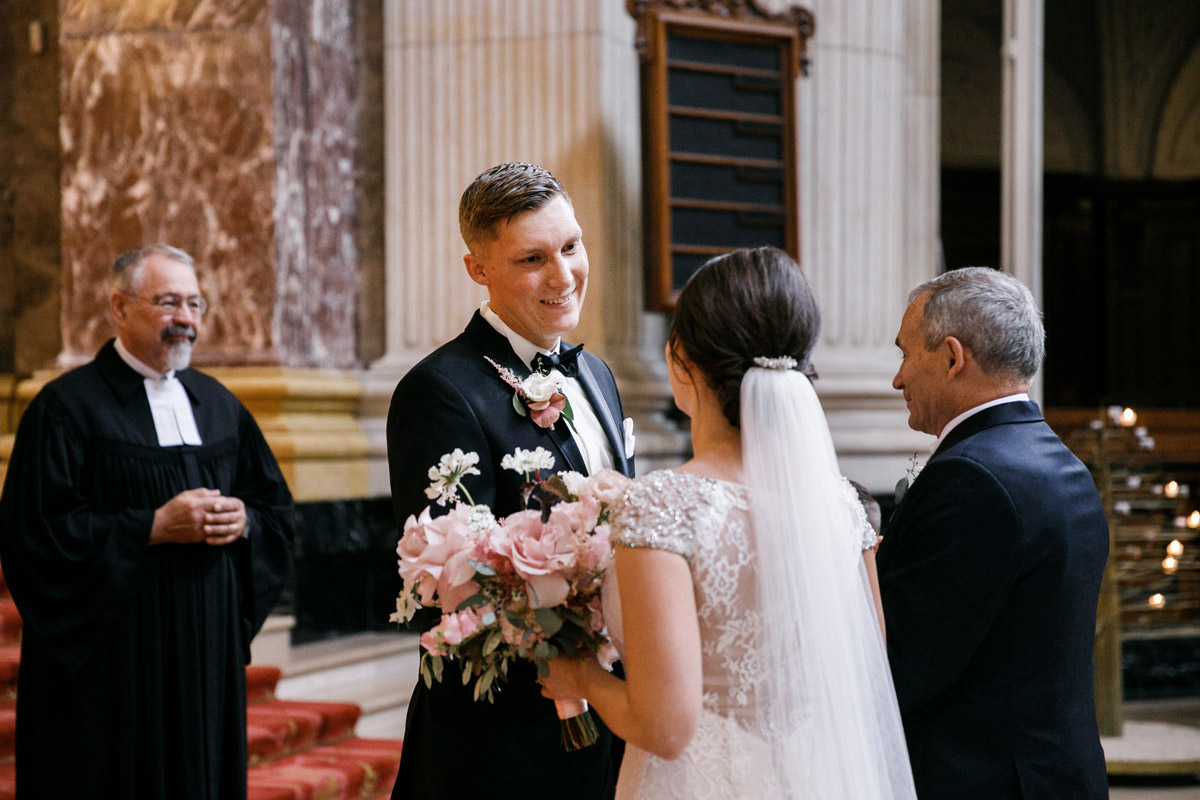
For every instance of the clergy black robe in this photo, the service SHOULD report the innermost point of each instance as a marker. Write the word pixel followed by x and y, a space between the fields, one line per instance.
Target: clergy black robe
pixel 132 681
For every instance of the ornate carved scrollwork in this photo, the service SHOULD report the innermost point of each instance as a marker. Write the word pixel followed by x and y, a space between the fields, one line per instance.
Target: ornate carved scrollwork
pixel 797 16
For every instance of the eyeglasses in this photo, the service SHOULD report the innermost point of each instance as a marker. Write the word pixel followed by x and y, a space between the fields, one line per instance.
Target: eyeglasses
pixel 169 304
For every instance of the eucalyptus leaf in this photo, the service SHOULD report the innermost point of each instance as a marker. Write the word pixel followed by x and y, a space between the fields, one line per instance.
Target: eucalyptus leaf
pixel 551 623
pixel 543 669
pixel 514 618
pixel 437 668
pixel 474 601
pixel 519 407
pixel 542 650
pixel 493 641
pixel 482 569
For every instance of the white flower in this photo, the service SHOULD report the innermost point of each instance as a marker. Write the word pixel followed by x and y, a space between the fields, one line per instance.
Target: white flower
pixel 406 606
pixel 527 461
pixel 540 388
pixel 445 478
pixel 480 519
pixel 573 480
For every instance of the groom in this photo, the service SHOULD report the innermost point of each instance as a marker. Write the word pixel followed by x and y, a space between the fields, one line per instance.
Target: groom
pixel 526 248
pixel 990 568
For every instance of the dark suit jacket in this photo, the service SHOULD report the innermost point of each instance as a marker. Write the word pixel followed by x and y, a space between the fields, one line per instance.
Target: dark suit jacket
pixel 453 746
pixel 990 574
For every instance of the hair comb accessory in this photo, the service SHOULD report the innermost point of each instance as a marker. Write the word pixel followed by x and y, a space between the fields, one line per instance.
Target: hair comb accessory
pixel 780 363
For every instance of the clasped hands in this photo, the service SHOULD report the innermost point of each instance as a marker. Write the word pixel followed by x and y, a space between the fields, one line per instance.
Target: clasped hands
pixel 199 515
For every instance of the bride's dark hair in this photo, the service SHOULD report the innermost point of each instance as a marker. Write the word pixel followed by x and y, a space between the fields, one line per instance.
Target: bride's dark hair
pixel 740 306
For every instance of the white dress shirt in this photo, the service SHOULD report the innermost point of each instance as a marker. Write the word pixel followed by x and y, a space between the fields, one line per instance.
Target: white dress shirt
pixel 174 421
pixel 954 423
pixel 585 429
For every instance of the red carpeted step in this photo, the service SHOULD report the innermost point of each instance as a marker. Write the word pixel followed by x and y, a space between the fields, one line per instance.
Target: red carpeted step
pixel 8 729
pixel 10 661
pixel 10 621
pixel 266 740
pixel 8 780
pixel 271 793
pixel 260 682
pixel 380 758
pixel 337 719
pixel 302 728
pixel 310 781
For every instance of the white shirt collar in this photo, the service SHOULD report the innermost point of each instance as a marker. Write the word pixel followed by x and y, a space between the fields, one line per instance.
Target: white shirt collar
pixel 525 349
pixel 954 423
pixel 138 366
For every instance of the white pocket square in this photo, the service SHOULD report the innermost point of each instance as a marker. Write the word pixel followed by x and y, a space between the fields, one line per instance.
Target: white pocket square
pixel 630 439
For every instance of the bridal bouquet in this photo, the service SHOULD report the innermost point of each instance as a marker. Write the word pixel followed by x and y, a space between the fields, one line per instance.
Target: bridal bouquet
pixel 526 586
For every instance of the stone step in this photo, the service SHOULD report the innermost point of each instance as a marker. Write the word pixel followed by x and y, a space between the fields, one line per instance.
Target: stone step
pixel 376 671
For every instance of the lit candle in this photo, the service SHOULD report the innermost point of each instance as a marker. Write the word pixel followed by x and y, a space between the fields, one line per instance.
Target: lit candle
pixel 1128 418
pixel 1156 600
pixel 1175 548
pixel 1170 564
pixel 1194 519
pixel 1171 490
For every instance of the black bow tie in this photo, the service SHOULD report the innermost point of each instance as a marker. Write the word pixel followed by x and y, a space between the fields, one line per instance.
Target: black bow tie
pixel 566 363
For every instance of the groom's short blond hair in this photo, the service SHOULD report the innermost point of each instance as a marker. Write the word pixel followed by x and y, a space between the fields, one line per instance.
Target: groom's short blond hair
pixel 499 194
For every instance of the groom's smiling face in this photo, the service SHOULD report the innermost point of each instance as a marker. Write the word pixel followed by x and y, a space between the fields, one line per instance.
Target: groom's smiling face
pixel 536 271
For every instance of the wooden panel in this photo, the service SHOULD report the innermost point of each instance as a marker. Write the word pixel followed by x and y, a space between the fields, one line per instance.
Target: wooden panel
pixel 718 119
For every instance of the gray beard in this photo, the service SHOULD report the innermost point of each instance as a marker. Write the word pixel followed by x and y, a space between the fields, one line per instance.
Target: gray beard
pixel 179 356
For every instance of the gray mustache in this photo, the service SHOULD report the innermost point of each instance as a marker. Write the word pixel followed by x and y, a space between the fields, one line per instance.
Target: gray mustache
pixel 179 330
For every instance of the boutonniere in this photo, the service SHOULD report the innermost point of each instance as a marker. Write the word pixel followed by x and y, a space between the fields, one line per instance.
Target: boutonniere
pixel 914 469
pixel 537 396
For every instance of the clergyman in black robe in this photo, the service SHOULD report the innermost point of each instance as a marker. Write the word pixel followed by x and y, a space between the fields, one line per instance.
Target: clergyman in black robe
pixel 141 570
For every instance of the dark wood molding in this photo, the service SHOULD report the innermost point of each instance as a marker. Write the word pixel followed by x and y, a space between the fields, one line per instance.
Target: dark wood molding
pixel 720 150
pixel 737 10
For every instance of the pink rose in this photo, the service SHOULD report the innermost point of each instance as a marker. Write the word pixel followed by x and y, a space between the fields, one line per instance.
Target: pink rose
pixel 606 486
pixel 542 554
pixel 452 630
pixel 596 552
pixel 545 413
pixel 434 554
pixel 607 655
pixel 576 518
pixel 595 615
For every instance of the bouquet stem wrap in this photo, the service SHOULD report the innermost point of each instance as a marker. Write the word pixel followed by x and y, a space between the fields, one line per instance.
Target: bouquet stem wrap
pixel 578 727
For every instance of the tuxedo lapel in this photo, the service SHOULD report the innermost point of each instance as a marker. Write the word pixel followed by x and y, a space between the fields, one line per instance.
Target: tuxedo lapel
pixel 604 412
pixel 495 345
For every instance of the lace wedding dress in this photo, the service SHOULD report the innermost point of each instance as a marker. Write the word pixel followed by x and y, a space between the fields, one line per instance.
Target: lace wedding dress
pixel 707 522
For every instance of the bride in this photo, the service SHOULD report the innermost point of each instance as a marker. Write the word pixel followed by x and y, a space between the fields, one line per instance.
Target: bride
pixel 743 598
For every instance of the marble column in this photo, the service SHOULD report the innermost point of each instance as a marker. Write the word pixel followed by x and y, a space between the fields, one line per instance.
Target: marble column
pixel 471 84
pixel 868 184
pixel 1021 147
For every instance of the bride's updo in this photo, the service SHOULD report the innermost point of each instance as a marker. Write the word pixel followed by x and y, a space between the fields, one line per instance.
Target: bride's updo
pixel 740 306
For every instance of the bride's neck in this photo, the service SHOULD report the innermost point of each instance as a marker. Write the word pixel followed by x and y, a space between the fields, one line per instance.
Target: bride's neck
pixel 716 446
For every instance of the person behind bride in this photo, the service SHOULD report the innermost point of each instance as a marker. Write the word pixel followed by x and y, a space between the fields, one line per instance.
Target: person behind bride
pixel 742 597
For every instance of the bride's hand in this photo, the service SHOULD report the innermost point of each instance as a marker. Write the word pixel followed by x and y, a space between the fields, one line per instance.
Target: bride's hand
pixel 564 681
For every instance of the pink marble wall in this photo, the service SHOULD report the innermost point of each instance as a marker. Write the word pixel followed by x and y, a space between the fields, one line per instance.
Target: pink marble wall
pixel 316 112
pixel 199 123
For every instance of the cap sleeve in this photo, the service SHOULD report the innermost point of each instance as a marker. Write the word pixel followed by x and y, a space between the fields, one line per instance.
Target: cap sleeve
pixel 649 515
pixel 863 532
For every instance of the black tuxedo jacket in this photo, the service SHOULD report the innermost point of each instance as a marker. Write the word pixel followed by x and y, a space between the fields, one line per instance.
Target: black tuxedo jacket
pixel 453 746
pixel 990 573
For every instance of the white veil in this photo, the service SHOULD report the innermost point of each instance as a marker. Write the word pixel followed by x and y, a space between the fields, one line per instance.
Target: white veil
pixel 828 702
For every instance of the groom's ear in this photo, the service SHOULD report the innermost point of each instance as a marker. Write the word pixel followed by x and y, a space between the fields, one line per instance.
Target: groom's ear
pixel 475 269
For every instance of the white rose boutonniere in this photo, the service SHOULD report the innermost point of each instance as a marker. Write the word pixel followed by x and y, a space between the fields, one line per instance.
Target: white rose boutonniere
pixel 537 396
